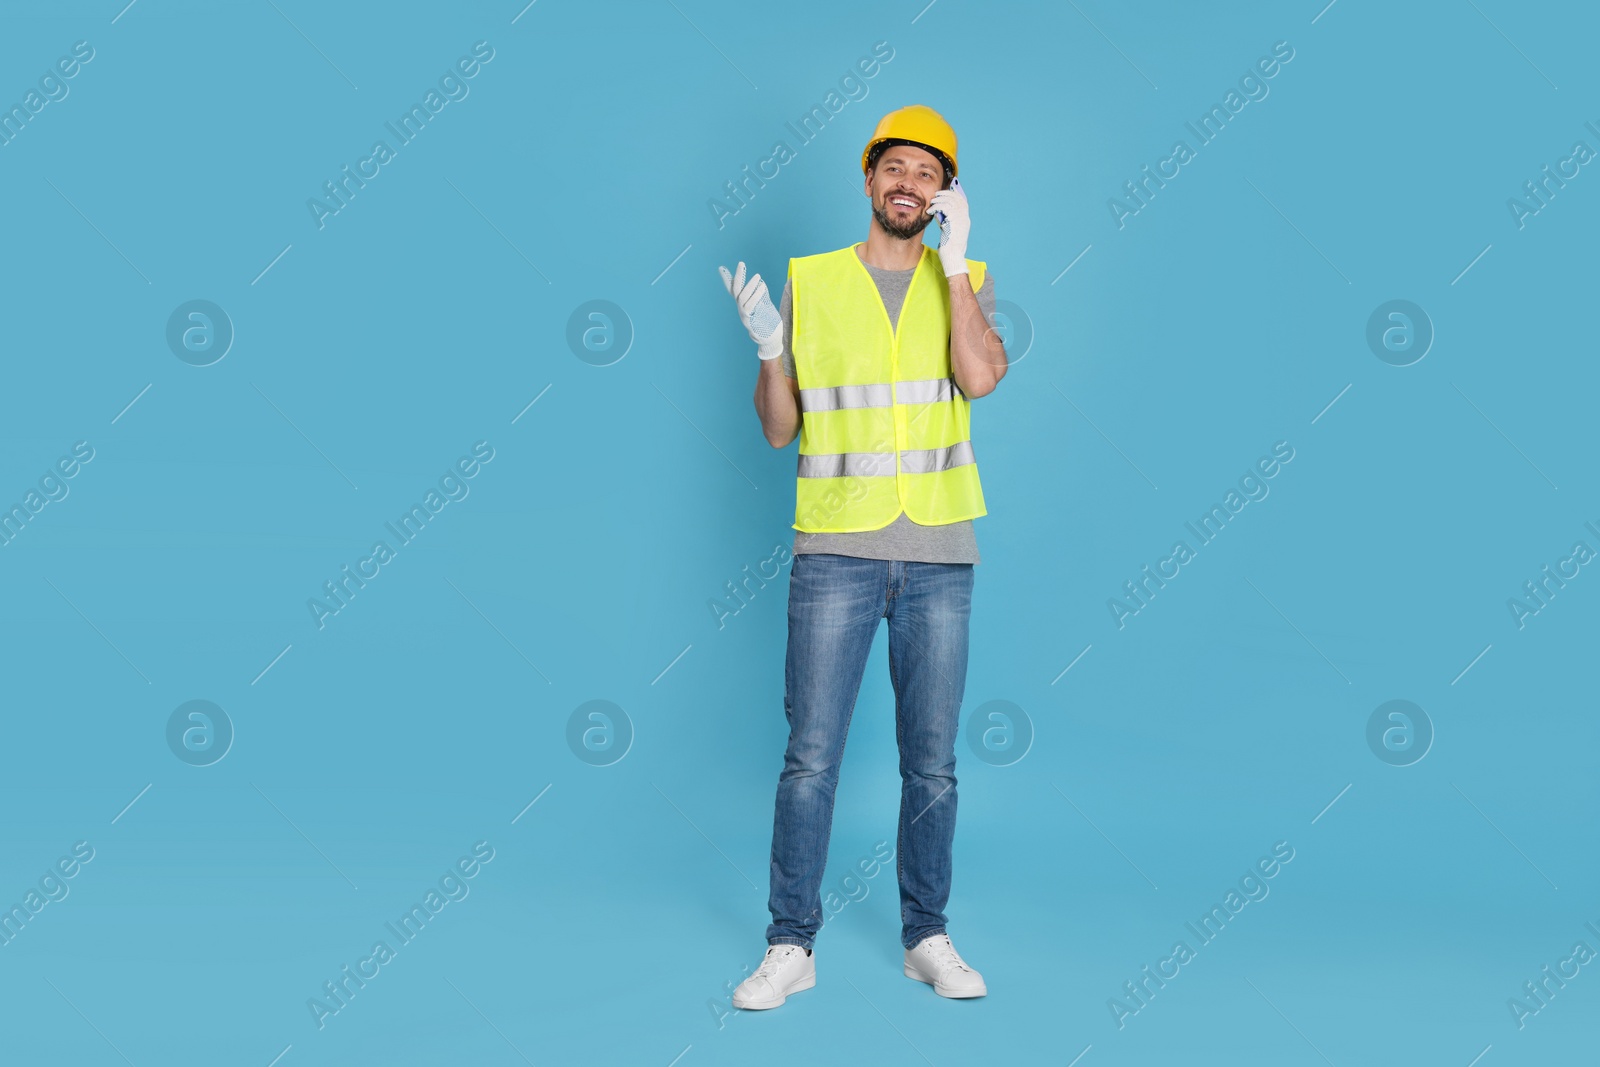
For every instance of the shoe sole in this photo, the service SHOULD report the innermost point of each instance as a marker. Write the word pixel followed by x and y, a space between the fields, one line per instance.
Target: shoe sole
pixel 805 984
pixel 953 994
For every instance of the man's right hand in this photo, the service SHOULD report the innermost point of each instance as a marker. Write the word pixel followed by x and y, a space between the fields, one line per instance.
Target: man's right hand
pixel 756 311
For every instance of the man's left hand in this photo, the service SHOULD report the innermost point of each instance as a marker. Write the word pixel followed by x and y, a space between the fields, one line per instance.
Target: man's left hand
pixel 954 227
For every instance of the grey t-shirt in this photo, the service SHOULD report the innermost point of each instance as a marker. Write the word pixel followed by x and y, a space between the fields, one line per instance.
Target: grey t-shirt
pixel 902 539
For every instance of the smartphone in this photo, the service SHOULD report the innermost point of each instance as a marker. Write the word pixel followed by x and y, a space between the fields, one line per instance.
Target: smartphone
pixel 955 183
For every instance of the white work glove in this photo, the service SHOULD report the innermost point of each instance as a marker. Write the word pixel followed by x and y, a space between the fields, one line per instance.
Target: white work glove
pixel 954 226
pixel 760 318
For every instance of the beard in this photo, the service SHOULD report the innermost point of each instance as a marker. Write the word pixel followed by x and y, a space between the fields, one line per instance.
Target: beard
pixel 904 231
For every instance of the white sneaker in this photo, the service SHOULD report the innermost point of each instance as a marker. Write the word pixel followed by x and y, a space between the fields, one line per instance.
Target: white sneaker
pixel 936 962
pixel 785 969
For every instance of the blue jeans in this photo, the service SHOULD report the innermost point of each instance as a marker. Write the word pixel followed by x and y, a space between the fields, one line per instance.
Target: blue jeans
pixel 835 604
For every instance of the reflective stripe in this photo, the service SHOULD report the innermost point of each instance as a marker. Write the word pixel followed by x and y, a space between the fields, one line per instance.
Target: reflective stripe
pixel 837 397
pixel 926 391
pixel 845 464
pixel 930 460
pixel 868 464
pixel 834 397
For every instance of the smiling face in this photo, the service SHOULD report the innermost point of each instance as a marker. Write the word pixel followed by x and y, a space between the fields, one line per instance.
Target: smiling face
pixel 901 184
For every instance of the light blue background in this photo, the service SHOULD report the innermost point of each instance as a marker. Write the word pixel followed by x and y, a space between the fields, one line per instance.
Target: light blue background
pixel 1224 317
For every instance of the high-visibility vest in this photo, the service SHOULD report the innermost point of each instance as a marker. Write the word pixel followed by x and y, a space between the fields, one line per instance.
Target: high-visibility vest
pixel 884 427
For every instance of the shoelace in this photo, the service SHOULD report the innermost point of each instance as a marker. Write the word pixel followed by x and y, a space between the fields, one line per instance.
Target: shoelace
pixel 944 955
pixel 775 961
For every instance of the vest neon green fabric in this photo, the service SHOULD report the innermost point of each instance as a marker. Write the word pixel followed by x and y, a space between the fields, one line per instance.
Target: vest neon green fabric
pixel 884 427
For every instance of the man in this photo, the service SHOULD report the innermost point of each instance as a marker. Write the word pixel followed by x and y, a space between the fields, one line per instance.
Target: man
pixel 883 344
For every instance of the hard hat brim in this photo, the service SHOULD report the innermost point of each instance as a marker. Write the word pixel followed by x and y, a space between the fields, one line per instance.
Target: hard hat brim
pixel 877 147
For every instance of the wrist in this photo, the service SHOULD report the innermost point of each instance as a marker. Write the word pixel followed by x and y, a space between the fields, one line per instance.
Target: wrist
pixel 770 349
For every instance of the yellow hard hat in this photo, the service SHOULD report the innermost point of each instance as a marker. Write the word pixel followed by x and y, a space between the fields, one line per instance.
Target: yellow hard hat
pixel 920 125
